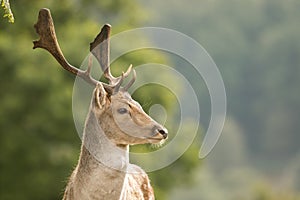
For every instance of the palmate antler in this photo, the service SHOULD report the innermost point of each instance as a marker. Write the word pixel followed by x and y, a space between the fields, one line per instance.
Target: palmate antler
pixel 99 48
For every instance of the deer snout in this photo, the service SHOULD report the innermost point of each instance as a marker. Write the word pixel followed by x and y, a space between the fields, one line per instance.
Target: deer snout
pixel 163 132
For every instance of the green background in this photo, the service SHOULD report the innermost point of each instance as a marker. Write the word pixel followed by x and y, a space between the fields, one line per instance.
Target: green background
pixel 255 44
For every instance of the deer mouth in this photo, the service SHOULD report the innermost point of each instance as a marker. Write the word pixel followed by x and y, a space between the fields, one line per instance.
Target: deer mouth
pixel 158 137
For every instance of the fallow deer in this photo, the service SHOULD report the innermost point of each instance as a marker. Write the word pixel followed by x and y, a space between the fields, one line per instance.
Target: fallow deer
pixel 114 122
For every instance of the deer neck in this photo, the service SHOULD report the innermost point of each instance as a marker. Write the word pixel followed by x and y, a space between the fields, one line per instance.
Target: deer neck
pixel 101 171
pixel 99 149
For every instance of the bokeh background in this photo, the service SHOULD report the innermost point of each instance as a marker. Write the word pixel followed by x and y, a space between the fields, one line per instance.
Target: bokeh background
pixel 255 44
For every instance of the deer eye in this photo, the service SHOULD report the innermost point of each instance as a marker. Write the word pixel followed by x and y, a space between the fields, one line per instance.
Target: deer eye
pixel 122 110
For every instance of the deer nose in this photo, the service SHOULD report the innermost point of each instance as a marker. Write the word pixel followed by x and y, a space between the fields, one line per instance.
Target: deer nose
pixel 163 132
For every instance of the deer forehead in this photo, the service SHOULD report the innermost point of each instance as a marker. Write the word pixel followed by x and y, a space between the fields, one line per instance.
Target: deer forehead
pixel 123 99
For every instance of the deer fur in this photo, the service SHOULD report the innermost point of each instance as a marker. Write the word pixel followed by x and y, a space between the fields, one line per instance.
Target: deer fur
pixel 103 170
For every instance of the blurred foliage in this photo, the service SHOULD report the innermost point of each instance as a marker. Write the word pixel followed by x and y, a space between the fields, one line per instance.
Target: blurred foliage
pixel 7 11
pixel 256 46
pixel 264 192
pixel 37 142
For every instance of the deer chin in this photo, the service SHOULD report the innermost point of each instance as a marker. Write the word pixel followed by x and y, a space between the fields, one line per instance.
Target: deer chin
pixel 156 140
pixel 157 143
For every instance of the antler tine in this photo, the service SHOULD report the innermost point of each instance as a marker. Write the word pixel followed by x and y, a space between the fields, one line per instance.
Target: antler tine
pixel 48 41
pixel 100 48
pixel 130 82
pixel 128 71
pixel 90 64
pixel 121 78
pixel 119 83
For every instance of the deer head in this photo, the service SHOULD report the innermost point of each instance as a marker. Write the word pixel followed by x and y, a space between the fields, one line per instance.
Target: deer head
pixel 122 119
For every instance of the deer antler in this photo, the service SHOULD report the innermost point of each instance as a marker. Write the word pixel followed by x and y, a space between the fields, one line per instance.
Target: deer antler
pixel 100 49
pixel 48 41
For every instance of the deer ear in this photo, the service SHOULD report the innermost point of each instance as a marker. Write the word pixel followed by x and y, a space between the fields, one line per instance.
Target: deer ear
pixel 99 96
